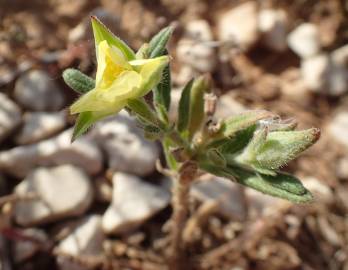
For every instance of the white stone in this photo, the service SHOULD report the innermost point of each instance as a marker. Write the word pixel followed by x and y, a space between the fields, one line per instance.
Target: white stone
pixel 86 240
pixel 23 249
pixel 305 40
pixel 198 55
pixel 339 71
pixel 199 30
pixel 228 106
pixel 315 72
pixel 133 202
pixel 342 168
pixel 37 90
pixel 228 195
pixel 84 153
pixel 10 116
pixel 240 25
pixel 320 191
pixel 340 55
pixel 273 26
pixel 125 145
pixel 338 128
pixel 325 74
pixel 40 125
pixel 63 191
pixel 260 204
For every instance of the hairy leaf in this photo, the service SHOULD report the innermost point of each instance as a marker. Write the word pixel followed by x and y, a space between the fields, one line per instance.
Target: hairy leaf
pixel 78 81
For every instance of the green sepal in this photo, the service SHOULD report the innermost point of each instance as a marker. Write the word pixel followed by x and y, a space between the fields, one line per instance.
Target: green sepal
pixel 83 122
pixel 142 53
pixel 157 45
pixel 142 109
pixel 171 162
pixel 101 32
pixel 243 120
pixel 78 81
pixel 237 142
pixel 184 107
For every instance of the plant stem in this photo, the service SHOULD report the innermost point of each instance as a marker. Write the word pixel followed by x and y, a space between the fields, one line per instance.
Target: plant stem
pixel 180 204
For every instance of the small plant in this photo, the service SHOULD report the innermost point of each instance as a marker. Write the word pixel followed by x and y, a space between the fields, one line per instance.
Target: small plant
pixel 248 148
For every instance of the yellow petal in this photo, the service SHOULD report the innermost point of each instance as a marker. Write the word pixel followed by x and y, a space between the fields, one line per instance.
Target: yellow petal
pixel 101 99
pixel 111 62
pixel 151 72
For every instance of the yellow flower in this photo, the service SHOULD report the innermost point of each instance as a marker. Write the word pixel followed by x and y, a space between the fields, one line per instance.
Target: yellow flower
pixel 119 77
pixel 118 80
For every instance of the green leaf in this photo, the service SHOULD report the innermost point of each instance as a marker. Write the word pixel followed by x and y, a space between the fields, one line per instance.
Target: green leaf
pixel 152 132
pixel 199 87
pixel 158 43
pixel 83 122
pixel 242 121
pixel 184 107
pixel 141 108
pixel 78 81
pixel 161 93
pixel 214 156
pixel 101 32
pixel 281 185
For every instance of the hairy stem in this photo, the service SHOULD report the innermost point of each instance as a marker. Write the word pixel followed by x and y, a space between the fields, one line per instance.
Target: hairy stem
pixel 180 203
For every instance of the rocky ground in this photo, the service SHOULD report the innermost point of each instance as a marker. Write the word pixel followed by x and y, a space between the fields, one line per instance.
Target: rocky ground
pixel 99 203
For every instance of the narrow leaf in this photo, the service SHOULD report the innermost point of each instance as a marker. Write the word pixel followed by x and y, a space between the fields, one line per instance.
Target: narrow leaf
pixel 184 107
pixel 78 81
pixel 199 87
pixel 158 43
pixel 162 91
pixel 101 32
pixel 281 185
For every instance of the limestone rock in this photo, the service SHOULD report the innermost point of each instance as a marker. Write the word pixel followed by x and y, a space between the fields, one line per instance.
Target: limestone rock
pixel 305 40
pixel 63 191
pixel 84 153
pixel 126 148
pixel 86 240
pixel 193 50
pixel 228 195
pixel 240 25
pixel 338 128
pixel 10 116
pixel 40 125
pixel 37 90
pixel 273 26
pixel 133 202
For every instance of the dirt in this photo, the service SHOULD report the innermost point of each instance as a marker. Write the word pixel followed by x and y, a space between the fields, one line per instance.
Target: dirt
pixel 310 237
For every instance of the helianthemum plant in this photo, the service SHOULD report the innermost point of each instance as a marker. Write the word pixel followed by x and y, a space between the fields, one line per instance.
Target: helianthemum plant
pixel 249 148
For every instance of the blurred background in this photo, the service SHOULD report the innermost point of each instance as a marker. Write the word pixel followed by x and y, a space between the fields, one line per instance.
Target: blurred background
pixel 100 204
